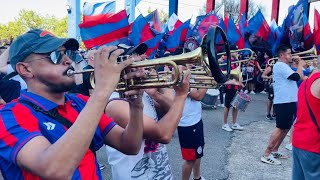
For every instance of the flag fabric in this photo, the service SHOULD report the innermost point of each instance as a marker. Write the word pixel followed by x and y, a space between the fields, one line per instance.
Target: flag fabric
pixel 233 33
pixel 202 25
pixel 178 37
pixel 308 38
pixel 274 30
pixel 243 24
pixel 316 31
pixel 103 31
pixel 258 26
pixel 130 6
pixel 93 10
pixel 153 45
pixel 219 39
pixel 154 20
pixel 294 25
pixel 173 23
pixel 140 31
pixel 280 36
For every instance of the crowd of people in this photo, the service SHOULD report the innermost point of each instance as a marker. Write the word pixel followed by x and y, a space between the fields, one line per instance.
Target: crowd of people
pixel 53 121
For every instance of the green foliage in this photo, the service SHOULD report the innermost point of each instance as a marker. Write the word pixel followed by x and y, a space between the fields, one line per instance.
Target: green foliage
pixel 28 19
pixel 162 14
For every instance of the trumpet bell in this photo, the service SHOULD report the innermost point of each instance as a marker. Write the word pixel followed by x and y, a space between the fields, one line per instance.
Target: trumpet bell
pixel 236 73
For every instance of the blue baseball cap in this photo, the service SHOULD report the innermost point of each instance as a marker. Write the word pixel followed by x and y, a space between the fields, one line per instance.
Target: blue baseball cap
pixel 37 41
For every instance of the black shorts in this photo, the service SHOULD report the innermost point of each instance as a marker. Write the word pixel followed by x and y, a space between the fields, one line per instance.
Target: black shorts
pixel 285 114
pixel 230 94
pixel 270 93
pixel 191 141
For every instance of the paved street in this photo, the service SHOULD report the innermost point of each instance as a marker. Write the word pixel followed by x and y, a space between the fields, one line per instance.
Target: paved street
pixel 235 155
pixel 230 156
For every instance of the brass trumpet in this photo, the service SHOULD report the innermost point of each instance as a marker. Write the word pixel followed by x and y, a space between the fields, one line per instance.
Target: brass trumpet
pixel 196 57
pixel 199 79
pixel 313 51
pixel 239 61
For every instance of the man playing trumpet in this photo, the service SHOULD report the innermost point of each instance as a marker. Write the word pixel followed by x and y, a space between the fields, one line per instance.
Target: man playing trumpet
pixel 48 134
pixel 285 98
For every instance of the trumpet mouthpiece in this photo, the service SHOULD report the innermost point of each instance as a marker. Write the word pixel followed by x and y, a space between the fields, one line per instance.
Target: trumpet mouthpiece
pixel 70 72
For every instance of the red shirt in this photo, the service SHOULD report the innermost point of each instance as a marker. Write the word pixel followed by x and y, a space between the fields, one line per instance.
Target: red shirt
pixel 305 133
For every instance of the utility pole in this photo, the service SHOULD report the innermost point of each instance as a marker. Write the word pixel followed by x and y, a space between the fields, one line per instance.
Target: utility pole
pixel 73 9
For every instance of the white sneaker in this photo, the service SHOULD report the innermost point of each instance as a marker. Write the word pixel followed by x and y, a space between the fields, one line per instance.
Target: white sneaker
pixel 279 155
pixel 270 160
pixel 226 127
pixel 289 147
pixel 252 92
pixel 263 92
pixel 246 91
pixel 236 126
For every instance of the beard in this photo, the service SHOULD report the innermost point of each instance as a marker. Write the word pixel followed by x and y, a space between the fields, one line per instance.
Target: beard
pixel 58 87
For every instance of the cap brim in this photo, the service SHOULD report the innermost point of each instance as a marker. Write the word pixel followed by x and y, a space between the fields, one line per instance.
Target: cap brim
pixel 139 49
pixel 55 43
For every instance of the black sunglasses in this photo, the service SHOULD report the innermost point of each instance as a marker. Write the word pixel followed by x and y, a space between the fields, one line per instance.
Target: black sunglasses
pixel 56 56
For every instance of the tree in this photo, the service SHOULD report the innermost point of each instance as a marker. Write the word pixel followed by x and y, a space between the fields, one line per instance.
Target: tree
pixel 232 8
pixel 162 14
pixel 29 20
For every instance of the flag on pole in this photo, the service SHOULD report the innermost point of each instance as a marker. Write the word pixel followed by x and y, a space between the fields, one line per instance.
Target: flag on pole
pixel 178 37
pixel 173 23
pixel 93 10
pixel 140 31
pixel 102 31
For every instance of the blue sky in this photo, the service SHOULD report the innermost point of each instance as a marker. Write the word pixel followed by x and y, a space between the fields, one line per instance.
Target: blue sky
pixel 187 8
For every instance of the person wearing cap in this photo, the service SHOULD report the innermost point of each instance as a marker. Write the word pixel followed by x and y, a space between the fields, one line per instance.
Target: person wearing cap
pixel 152 161
pixel 49 134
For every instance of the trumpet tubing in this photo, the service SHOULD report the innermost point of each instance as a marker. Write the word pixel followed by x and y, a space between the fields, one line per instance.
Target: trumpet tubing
pixel 196 57
pixel 239 61
pixel 234 62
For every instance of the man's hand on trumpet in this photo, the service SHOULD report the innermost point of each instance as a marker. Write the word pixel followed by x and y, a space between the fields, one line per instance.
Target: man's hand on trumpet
pixel 108 70
pixel 182 89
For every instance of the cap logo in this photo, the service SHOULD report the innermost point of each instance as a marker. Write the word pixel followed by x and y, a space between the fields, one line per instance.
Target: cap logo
pixel 43 33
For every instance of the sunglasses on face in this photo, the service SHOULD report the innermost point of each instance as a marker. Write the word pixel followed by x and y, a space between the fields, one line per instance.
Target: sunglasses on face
pixel 56 56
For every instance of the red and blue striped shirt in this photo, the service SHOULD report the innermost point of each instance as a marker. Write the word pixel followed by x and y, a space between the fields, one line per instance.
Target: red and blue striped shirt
pixel 20 123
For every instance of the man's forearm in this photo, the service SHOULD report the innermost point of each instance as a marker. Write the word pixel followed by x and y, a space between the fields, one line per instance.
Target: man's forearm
pixel 170 121
pixel 300 72
pixel 164 101
pixel 132 136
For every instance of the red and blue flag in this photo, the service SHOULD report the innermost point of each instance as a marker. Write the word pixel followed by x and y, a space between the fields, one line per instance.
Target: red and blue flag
pixel 93 10
pixel 140 31
pixel 173 23
pixel 233 33
pixel 258 26
pixel 154 20
pixel 202 25
pixel 153 45
pixel 105 31
pixel 178 37
pixel 308 38
pixel 243 24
